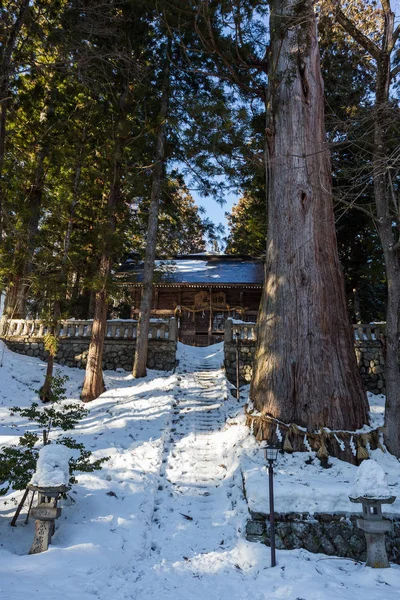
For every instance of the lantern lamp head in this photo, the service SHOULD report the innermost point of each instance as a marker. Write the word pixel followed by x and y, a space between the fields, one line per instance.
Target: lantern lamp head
pixel 271 453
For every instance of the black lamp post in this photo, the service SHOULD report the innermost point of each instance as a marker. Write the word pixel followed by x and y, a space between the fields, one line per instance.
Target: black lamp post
pixel 271 454
pixel 237 336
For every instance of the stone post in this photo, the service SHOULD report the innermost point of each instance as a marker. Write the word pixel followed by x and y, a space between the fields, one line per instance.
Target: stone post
pixel 375 526
pixel 228 331
pixel 172 329
pixel 3 325
pixel 45 513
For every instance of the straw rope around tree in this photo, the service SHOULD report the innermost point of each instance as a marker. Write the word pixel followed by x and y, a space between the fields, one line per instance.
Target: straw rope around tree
pixel 353 446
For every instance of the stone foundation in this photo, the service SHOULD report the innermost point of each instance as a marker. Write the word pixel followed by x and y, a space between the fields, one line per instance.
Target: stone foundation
pixel 371 363
pixel 331 534
pixel 117 354
pixel 246 359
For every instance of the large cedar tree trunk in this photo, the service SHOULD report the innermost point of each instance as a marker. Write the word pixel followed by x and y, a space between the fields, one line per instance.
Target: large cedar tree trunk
pixel 305 369
pixel 140 361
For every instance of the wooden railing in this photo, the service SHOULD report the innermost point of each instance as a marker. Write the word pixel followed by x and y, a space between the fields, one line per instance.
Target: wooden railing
pixel 247 332
pixel 71 328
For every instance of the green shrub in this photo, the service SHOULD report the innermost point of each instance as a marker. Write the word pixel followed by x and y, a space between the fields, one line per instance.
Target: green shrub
pixel 18 463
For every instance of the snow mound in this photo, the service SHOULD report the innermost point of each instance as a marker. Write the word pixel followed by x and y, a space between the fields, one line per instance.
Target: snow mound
pixel 370 481
pixel 52 469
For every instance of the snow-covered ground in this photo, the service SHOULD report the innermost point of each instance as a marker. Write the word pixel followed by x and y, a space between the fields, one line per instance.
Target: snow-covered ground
pixel 303 487
pixel 165 517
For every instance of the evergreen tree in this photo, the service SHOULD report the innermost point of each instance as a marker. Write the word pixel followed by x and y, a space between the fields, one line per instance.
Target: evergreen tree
pixel 247 226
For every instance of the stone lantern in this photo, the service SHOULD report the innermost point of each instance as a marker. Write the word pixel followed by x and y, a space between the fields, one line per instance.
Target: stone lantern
pixel 50 481
pixel 371 491
pixel 45 513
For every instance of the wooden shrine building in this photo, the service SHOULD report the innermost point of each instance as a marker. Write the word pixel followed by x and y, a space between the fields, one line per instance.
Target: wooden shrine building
pixel 201 291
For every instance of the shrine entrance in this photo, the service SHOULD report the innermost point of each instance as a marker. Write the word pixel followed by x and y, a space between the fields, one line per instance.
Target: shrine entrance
pixel 203 323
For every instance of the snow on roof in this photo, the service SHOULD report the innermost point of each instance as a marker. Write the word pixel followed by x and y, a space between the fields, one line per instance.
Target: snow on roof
pixel 52 468
pixel 207 269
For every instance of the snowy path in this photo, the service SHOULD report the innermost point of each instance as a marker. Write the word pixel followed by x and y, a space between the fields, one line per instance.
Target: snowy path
pixel 199 505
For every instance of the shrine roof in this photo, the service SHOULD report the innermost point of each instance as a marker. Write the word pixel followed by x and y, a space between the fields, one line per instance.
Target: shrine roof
pixel 198 269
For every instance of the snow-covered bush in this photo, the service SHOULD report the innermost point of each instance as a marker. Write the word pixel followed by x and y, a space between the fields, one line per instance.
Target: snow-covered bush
pixel 18 463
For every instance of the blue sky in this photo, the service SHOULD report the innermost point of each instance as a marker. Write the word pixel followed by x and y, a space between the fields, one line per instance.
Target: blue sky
pixel 215 211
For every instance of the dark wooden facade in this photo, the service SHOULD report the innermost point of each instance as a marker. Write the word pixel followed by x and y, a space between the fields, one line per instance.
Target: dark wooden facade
pixel 200 291
pixel 200 310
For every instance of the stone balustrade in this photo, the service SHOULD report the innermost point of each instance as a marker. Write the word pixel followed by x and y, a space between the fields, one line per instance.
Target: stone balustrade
pixel 26 336
pixel 71 328
pixel 247 332
pixel 241 337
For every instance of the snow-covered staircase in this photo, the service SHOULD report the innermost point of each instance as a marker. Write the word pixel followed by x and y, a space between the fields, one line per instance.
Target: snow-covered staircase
pixel 195 510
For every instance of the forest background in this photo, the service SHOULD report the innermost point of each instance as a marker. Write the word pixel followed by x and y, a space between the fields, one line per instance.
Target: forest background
pixel 81 90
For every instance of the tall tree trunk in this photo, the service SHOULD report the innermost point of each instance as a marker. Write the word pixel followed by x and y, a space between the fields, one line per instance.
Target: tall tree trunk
pixel 392 371
pixel 5 73
pixel 386 214
pixel 140 361
pixel 305 369
pixel 388 237
pixel 45 390
pixel 93 384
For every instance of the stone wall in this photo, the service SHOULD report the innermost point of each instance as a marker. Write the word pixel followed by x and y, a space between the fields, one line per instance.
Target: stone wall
pixel 331 534
pixel 246 351
pixel 369 358
pixel 117 353
pixel 372 365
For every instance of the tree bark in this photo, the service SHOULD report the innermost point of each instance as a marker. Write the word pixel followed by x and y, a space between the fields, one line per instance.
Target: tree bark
pixel 386 215
pixel 140 361
pixel 93 384
pixel 387 236
pixel 305 369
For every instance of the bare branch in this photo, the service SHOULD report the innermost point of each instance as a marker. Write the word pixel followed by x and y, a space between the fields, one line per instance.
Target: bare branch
pixel 396 34
pixel 356 34
pixel 394 72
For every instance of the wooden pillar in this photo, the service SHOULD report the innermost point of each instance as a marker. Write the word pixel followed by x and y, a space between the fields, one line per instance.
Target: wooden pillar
pixel 210 320
pixel 155 298
pixel 181 315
